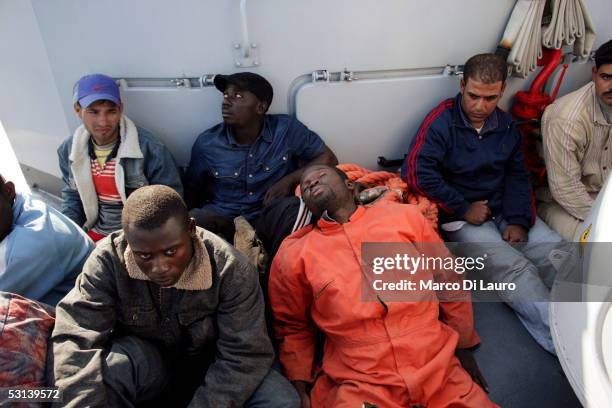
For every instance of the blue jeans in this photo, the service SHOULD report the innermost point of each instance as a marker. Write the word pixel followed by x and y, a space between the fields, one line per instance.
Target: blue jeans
pixel 527 265
pixel 275 391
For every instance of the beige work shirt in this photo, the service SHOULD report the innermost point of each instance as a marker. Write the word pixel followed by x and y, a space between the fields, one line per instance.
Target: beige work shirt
pixel 577 150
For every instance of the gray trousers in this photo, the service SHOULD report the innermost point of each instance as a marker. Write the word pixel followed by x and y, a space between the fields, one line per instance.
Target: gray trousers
pixel 527 265
pixel 136 373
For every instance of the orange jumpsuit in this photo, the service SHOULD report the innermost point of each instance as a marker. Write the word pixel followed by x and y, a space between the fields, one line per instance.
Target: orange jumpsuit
pixel 394 354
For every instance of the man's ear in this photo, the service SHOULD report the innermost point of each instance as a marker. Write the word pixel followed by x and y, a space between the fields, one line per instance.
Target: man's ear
pixel 120 107
pixel 191 225
pixel 594 73
pixel 462 86
pixel 503 88
pixel 262 107
pixel 350 184
pixel 9 190
pixel 77 109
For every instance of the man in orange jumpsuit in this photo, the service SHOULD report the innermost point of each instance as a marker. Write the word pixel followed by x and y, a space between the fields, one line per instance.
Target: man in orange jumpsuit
pixel 376 354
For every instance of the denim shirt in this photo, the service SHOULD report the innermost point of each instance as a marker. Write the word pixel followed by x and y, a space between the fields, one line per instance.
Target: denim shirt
pixel 238 176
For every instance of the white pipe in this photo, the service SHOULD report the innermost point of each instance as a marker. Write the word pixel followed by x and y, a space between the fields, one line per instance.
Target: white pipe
pixel 380 75
pixel 246 44
pixel 160 83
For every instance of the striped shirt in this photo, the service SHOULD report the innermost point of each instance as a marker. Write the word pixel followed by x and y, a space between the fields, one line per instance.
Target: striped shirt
pixel 102 153
pixel 109 200
pixel 577 150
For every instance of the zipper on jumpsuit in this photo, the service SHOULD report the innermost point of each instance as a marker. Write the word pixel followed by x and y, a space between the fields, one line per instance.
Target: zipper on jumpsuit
pixel 384 305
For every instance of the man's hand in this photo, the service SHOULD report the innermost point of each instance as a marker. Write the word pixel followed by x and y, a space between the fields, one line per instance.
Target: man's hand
pixel 301 387
pixel 466 358
pixel 478 212
pixel 282 188
pixel 515 233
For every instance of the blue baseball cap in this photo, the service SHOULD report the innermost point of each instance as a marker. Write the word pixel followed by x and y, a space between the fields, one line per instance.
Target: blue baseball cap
pixel 96 87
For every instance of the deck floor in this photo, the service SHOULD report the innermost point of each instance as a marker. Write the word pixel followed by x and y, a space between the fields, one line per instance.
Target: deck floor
pixel 519 372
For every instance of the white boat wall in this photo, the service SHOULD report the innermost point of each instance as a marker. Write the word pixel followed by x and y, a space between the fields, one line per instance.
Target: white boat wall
pixel 396 51
pixel 362 74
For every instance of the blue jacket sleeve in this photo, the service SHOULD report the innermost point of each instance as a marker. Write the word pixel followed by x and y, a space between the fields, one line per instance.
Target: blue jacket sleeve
pixel 72 207
pixel 306 143
pixel 518 204
pixel 421 171
pixel 160 166
pixel 197 165
pixel 198 182
pixel 165 171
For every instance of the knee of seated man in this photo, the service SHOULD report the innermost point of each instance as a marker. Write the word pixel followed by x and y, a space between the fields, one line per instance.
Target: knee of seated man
pixel 136 366
pixel 275 392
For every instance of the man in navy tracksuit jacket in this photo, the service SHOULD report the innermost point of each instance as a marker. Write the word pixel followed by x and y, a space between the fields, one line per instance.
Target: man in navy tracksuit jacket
pixel 466 157
pixel 450 162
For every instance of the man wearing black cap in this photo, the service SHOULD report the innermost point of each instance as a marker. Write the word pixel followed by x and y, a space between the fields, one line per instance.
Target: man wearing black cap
pixel 244 163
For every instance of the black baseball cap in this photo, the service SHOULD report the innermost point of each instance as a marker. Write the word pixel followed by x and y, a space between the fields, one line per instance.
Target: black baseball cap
pixel 247 81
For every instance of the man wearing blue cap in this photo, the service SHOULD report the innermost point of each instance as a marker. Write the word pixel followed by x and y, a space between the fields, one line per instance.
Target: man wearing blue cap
pixel 249 160
pixel 107 158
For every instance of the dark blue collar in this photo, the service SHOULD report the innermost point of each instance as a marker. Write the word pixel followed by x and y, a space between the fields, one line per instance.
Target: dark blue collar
pixel 461 119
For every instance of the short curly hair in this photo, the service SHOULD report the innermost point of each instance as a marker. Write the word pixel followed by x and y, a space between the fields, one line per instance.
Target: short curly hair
pixel 151 207
pixel 603 55
pixel 487 68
